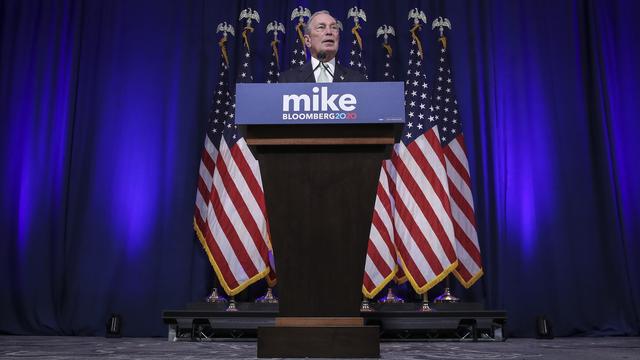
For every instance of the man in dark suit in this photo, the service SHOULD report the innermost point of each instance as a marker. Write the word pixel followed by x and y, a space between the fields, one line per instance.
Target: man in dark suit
pixel 322 37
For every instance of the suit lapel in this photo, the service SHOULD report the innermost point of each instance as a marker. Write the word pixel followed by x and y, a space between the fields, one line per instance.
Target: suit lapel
pixel 306 73
pixel 339 74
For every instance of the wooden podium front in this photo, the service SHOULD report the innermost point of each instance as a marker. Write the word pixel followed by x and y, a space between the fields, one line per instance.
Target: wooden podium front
pixel 320 185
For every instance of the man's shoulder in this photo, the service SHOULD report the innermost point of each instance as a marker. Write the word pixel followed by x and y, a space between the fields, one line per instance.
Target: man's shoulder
pixel 288 74
pixel 350 75
pixel 304 74
pixel 294 74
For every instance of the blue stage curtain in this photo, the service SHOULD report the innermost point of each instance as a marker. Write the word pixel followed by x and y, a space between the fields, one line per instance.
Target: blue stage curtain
pixel 102 112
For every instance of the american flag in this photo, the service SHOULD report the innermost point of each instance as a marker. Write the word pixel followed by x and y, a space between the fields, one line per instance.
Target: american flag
pixel 230 210
pixel 219 112
pixel 299 51
pixel 424 234
pixel 273 67
pixel 381 262
pixel 273 71
pixel 355 54
pixel 445 113
pixel 244 71
pixel 388 72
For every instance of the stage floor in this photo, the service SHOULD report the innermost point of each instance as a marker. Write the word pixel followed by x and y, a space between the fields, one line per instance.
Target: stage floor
pixel 69 347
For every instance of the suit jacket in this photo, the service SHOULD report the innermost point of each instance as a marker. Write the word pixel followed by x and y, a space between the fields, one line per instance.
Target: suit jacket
pixel 304 73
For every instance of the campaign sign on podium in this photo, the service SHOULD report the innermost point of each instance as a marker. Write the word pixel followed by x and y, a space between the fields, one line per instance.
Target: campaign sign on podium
pixel 316 103
pixel 320 149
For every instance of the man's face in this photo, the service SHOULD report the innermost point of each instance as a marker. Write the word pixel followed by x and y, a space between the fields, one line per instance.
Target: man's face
pixel 324 35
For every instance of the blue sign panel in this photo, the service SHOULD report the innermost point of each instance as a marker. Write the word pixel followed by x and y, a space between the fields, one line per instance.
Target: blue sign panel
pixel 320 103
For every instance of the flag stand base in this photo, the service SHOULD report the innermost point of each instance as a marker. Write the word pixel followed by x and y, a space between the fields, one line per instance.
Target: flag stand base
pixel 216 298
pixel 391 298
pixel 447 296
pixel 268 298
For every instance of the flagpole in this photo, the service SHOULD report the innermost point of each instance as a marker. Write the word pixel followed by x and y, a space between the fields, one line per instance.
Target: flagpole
pixel 414 205
pixel 424 306
pixel 376 269
pixel 469 267
pixel 273 72
pixel 215 297
pixel 299 51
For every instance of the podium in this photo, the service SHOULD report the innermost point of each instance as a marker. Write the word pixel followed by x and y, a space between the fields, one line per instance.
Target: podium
pixel 320 174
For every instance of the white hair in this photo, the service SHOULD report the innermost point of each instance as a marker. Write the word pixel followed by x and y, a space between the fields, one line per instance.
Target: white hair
pixel 307 26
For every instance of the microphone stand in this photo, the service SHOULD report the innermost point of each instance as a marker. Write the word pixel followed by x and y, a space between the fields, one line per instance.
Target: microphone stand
pixel 313 71
pixel 327 69
pixel 321 56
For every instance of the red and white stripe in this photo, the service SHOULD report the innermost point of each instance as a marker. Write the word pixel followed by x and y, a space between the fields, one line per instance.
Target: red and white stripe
pixel 236 231
pixel 424 232
pixel 209 153
pixel 381 264
pixel 469 268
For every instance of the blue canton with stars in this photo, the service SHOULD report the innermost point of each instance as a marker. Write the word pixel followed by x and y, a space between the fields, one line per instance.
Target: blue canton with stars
pixel 445 106
pixel 299 52
pixel 355 59
pixel 272 69
pixel 416 95
pixel 221 109
pixel 230 133
pixel 388 73
pixel 244 71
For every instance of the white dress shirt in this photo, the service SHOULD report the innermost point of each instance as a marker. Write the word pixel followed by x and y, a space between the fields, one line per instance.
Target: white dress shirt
pixel 331 64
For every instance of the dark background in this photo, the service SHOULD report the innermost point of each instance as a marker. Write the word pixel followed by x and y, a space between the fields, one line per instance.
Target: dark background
pixel 103 106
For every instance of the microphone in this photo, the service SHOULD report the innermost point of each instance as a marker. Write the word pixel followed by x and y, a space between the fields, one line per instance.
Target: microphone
pixel 321 56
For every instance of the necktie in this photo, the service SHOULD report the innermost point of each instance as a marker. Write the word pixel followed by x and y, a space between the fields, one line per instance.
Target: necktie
pixel 323 76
